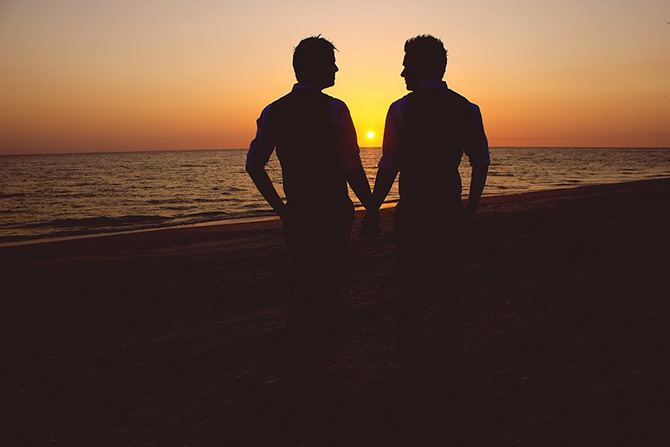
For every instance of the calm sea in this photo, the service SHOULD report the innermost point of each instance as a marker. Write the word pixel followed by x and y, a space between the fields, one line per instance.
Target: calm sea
pixel 46 196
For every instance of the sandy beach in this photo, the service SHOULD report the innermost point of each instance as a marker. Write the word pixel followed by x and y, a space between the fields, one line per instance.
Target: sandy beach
pixel 173 337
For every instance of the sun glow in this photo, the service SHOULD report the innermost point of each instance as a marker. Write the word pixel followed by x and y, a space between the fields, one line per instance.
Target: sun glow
pixel 171 89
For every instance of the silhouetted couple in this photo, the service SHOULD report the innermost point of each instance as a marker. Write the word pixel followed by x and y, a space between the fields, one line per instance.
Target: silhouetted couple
pixel 426 133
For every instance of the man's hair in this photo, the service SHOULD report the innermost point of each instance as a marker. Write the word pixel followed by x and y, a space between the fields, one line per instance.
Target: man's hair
pixel 427 55
pixel 311 56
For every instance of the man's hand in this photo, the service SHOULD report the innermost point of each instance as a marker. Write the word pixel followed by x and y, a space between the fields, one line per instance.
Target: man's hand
pixel 283 213
pixel 267 190
pixel 477 182
pixel 370 225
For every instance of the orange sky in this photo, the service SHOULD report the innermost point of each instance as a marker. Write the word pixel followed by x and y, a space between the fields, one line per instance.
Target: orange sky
pixel 157 75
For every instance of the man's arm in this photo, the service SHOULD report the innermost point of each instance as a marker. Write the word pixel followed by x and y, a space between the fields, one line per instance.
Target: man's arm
pixel 359 184
pixel 383 184
pixel 478 152
pixel 267 189
pixel 260 150
pixel 477 182
pixel 349 152
pixel 388 164
pixel 387 171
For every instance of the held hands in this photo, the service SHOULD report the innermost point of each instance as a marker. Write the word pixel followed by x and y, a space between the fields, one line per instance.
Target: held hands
pixel 282 212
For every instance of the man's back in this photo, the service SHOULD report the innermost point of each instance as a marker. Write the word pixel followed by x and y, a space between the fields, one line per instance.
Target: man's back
pixel 315 140
pixel 435 135
pixel 426 134
pixel 306 146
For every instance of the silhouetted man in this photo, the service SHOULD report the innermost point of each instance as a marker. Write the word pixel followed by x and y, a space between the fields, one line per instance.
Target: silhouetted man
pixel 318 151
pixel 426 133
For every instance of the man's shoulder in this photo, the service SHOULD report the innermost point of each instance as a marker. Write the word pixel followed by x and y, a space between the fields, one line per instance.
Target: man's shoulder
pixel 462 99
pixel 404 99
pixel 336 106
pixel 332 101
pixel 401 103
pixel 279 100
pixel 337 102
pixel 265 113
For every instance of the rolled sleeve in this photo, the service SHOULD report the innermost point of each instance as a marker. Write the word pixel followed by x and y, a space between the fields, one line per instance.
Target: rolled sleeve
pixel 262 145
pixel 477 147
pixel 392 138
pixel 345 134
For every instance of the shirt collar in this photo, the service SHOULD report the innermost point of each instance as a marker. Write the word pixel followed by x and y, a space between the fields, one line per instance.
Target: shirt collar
pixel 305 86
pixel 434 83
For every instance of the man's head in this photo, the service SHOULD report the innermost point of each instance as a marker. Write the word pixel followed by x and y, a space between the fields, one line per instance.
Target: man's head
pixel 425 59
pixel 314 61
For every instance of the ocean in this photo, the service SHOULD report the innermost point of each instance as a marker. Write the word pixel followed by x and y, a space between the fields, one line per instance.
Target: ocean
pixel 64 195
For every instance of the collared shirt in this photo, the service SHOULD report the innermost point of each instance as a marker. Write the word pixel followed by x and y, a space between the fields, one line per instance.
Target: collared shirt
pixel 477 148
pixel 345 134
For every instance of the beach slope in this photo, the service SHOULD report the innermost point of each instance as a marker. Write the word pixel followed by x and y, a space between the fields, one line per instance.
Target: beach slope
pixel 173 337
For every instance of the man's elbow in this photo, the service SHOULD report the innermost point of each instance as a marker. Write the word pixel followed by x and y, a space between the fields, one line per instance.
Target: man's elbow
pixel 480 173
pixel 257 175
pixel 253 170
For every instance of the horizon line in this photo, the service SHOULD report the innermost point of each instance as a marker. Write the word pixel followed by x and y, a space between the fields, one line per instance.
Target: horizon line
pixel 361 147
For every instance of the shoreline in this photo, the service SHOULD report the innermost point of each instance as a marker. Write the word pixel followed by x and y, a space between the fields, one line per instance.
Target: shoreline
pixel 486 199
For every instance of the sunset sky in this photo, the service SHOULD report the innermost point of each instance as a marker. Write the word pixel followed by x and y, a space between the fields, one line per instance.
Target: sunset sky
pixel 87 75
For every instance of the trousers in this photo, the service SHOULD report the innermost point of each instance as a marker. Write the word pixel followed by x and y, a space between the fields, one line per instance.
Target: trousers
pixel 317 236
pixel 429 241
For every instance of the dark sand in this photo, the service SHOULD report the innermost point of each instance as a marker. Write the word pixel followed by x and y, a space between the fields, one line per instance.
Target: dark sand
pixel 174 337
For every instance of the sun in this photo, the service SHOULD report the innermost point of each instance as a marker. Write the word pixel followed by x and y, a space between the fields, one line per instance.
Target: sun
pixel 370 134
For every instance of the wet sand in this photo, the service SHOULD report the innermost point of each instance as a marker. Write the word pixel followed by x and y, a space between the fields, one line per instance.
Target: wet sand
pixel 174 337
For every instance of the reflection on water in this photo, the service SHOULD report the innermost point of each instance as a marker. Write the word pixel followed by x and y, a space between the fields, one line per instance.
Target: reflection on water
pixel 58 195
